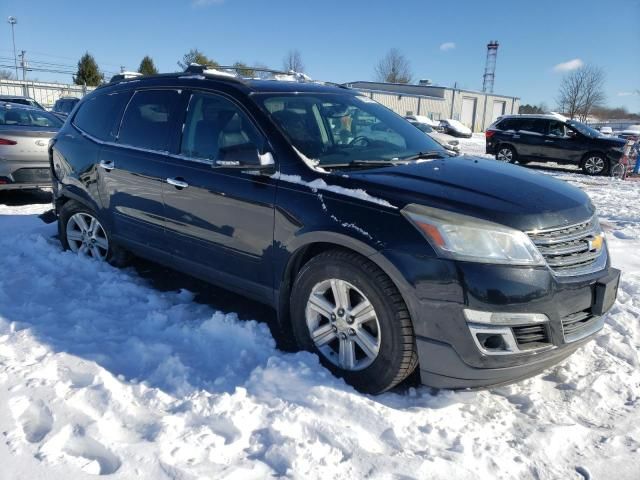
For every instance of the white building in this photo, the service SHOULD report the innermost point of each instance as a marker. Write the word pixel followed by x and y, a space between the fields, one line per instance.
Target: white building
pixel 475 109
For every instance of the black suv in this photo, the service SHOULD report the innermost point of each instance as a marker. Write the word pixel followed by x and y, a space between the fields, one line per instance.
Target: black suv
pixel 64 105
pixel 552 138
pixel 377 250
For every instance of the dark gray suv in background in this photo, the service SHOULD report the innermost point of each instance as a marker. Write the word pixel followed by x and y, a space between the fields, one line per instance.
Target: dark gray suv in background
pixel 552 138
pixel 378 250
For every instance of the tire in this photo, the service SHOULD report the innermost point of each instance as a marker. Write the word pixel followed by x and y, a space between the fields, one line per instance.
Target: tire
pixel 90 237
pixel 595 164
pixel 506 153
pixel 388 326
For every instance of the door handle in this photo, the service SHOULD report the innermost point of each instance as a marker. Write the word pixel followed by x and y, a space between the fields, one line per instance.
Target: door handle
pixel 516 136
pixel 108 165
pixel 548 141
pixel 176 182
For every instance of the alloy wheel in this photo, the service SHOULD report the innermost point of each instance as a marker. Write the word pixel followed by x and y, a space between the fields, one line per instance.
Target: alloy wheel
pixel 343 324
pixel 504 155
pixel 86 236
pixel 594 165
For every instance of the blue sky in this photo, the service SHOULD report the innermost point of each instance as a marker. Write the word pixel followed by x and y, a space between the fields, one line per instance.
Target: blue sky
pixel 341 40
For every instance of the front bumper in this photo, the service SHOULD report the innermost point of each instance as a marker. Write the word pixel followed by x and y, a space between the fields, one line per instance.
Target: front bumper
pixel 437 292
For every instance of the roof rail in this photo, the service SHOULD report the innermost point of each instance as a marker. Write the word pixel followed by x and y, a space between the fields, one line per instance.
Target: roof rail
pixel 226 70
pixel 124 76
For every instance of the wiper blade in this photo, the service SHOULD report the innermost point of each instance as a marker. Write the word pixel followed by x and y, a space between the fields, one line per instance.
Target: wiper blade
pixel 425 155
pixel 362 163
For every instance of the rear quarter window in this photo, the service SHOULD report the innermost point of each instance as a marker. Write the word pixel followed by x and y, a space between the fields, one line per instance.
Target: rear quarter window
pixel 150 119
pixel 508 124
pixel 99 115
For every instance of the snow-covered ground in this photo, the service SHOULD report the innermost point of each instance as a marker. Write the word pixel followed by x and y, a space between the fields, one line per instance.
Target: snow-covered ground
pixel 102 374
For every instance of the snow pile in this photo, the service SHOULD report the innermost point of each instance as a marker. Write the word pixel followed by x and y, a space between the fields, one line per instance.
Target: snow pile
pixel 100 374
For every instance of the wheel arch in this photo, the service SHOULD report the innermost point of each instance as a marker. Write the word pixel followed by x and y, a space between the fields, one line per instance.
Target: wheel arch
pixel 312 244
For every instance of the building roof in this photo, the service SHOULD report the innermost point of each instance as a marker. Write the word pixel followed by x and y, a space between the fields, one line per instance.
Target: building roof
pixel 436 91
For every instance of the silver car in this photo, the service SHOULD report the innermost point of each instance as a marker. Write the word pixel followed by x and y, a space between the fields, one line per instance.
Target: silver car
pixel 450 144
pixel 24 139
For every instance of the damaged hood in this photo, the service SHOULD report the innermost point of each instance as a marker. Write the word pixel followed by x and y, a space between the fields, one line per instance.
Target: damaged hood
pixel 499 192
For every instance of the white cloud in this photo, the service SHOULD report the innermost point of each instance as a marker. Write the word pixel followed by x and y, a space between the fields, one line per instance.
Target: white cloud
pixel 568 66
pixel 629 94
pixel 447 46
pixel 205 3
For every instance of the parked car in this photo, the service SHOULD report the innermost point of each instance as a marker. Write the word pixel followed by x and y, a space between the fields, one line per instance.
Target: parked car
pixel 608 131
pixel 552 138
pixel 20 100
pixel 435 124
pixel 446 141
pixel 24 135
pixel 455 128
pixel 64 105
pixel 633 132
pixel 378 256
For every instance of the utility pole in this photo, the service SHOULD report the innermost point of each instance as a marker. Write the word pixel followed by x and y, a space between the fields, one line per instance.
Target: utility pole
pixel 23 64
pixel 12 21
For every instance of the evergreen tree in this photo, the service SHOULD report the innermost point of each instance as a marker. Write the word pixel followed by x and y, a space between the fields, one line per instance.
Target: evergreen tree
pixel 196 56
pixel 88 72
pixel 147 67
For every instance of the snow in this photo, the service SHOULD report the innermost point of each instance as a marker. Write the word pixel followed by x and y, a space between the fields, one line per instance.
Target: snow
pixel 103 374
pixel 320 184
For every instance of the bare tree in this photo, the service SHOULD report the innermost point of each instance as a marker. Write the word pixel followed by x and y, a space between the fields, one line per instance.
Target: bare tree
pixel 293 61
pixel 393 68
pixel 6 75
pixel 581 91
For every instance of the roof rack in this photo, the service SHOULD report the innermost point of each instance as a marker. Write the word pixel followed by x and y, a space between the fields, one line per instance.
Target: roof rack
pixel 236 71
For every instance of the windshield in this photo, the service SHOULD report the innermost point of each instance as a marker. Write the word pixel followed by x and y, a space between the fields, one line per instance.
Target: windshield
pixel 28 117
pixel 339 129
pixel 584 129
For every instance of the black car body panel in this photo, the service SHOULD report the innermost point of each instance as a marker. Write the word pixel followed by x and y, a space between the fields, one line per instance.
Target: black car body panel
pixel 250 230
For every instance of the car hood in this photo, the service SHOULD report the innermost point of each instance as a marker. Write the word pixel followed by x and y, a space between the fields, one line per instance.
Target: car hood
pixel 612 141
pixel 499 192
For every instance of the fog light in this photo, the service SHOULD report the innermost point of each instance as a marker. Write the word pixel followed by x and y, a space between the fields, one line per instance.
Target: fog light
pixel 503 318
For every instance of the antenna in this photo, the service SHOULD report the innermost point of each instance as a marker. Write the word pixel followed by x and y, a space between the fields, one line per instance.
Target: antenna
pixel 490 67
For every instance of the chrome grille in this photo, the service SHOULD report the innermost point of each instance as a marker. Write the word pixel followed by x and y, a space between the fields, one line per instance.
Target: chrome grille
pixel 569 250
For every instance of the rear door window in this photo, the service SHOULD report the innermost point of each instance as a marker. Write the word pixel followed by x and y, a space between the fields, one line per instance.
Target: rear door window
pixel 533 125
pixel 99 115
pixel 215 124
pixel 150 118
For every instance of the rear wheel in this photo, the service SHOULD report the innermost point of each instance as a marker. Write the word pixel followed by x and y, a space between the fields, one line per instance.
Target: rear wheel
pixel 350 313
pixel 595 164
pixel 506 153
pixel 82 232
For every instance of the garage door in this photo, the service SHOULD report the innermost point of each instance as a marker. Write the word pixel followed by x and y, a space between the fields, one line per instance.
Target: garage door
pixel 498 109
pixel 468 111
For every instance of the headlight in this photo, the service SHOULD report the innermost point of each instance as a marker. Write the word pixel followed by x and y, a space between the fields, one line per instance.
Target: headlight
pixel 460 237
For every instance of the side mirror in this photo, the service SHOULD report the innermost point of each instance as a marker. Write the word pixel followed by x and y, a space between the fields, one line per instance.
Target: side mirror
pixel 245 157
pixel 571 134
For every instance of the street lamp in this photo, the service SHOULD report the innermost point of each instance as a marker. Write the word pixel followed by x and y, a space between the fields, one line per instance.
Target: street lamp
pixel 12 21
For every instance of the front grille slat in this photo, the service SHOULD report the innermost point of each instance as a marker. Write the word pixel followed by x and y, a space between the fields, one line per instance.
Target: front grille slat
pixel 531 336
pixel 575 323
pixel 568 249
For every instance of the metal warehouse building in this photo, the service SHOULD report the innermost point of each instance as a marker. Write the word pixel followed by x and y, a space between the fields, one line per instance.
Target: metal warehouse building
pixel 477 110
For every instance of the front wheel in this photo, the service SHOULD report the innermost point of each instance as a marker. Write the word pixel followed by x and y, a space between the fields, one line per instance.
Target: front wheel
pixel 350 313
pixel 594 164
